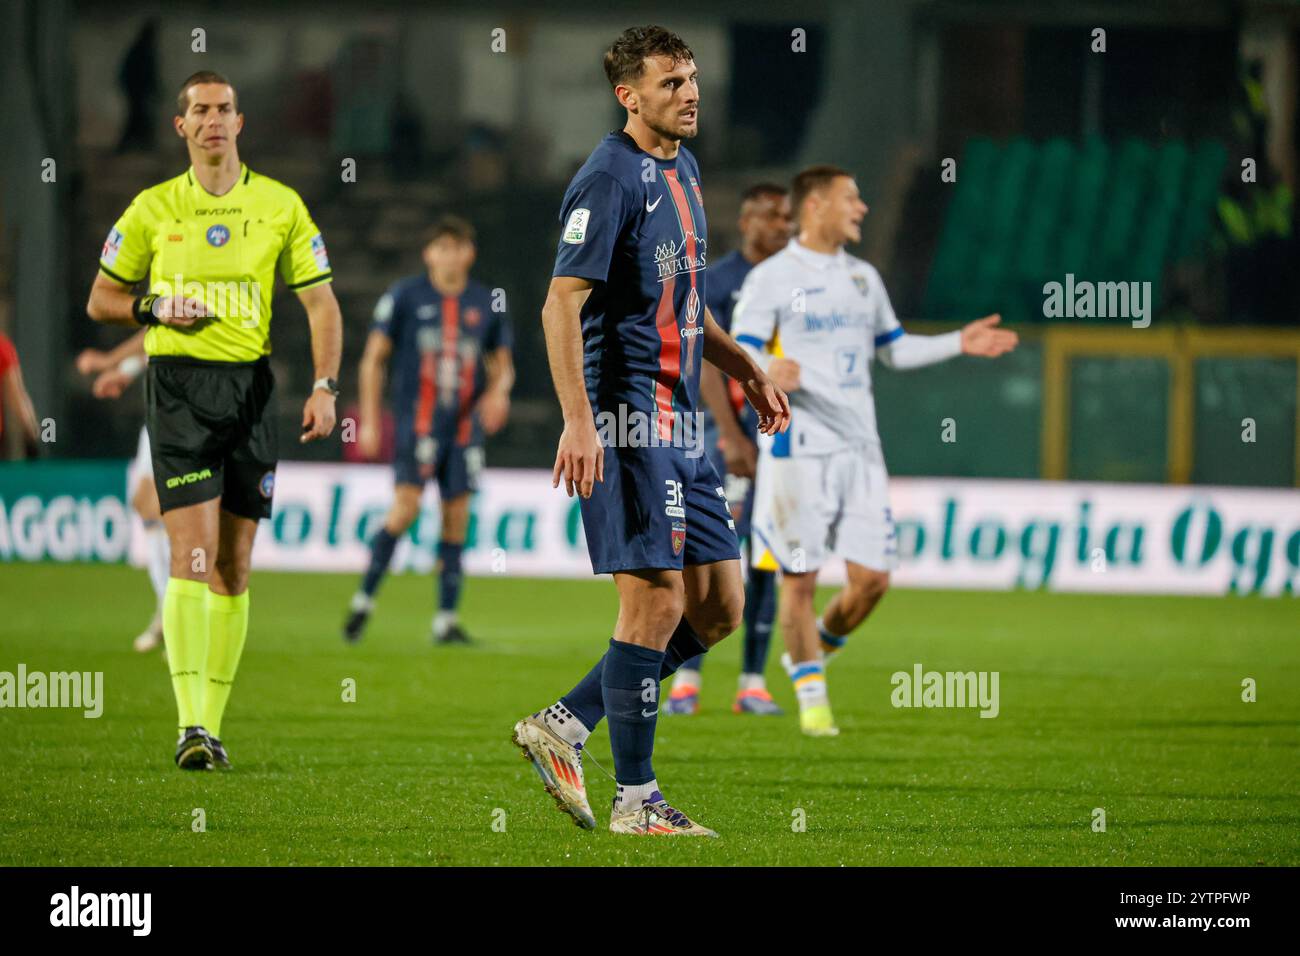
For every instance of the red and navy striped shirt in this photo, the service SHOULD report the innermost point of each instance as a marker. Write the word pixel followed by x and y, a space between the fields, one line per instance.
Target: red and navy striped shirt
pixel 634 225
pixel 439 341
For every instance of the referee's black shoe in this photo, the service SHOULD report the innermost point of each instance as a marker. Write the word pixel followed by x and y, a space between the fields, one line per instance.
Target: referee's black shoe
pixel 220 759
pixel 194 750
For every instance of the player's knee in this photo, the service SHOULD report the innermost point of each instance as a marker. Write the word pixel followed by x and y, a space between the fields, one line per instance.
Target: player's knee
pixel 798 589
pixel 231 571
pixel 721 618
pixel 402 515
pixel 866 589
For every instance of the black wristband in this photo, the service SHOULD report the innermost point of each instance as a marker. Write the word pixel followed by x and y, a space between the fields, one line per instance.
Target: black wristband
pixel 143 308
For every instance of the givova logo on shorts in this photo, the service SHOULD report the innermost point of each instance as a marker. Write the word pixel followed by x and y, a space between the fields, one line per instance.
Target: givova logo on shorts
pixel 190 478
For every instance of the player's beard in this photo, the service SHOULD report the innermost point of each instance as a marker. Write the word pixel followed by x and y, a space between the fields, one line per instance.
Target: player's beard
pixel 660 125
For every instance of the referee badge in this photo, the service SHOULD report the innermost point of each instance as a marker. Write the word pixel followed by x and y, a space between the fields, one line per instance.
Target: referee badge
pixel 267 485
pixel 218 235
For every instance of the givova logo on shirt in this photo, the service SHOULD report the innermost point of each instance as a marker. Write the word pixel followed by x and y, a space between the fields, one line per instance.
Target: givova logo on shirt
pixel 575 230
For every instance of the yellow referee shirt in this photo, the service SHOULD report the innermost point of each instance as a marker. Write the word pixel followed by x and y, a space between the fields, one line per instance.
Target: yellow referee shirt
pixel 223 250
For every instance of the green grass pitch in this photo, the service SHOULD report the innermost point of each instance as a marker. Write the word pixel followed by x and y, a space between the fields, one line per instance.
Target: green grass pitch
pixel 1130 704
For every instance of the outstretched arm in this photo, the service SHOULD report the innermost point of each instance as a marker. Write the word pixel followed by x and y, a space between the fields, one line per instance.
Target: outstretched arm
pixel 981 337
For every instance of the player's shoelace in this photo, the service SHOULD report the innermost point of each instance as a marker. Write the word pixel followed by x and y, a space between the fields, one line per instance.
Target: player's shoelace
pixel 670 815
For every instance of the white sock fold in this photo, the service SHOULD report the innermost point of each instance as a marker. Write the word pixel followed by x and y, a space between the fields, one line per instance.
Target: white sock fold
pixel 633 797
pixel 753 682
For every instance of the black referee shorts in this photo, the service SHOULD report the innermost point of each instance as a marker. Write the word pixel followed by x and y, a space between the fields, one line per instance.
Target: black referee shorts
pixel 212 433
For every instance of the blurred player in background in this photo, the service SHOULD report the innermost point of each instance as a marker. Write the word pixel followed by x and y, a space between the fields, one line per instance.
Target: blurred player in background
pixel 449 341
pixel 210 242
pixel 15 399
pixel 622 318
pixel 730 435
pixel 114 373
pixel 815 317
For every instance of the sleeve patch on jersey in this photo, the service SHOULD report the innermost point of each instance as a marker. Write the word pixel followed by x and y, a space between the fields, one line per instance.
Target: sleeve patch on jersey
pixel 384 309
pixel 318 250
pixel 575 230
pixel 112 245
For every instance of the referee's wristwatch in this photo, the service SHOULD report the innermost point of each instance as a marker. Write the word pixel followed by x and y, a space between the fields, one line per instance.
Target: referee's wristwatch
pixel 330 385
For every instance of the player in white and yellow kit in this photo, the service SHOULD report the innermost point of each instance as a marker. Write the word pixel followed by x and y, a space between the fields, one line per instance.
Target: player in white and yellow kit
pixel 815 317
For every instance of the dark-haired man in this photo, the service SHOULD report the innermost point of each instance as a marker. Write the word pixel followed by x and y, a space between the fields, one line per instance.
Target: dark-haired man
pixel 815 317
pixel 448 338
pixel 626 329
pixel 730 430
pixel 210 243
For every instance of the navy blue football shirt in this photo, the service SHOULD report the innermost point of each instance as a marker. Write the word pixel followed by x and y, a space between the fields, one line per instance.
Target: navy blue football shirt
pixel 437 371
pixel 634 224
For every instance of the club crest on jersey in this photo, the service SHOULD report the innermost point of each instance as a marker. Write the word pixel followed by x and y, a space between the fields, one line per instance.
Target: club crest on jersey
pixel 860 281
pixel 692 307
pixel 267 485
pixel 699 197
pixel 218 235
pixel 679 537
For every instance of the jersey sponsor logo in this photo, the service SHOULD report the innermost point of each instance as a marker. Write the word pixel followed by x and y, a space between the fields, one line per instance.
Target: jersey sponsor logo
pixel 175 237
pixel 575 230
pixel 189 478
pixel 679 536
pixel 112 245
pixel 219 211
pixel 318 250
pixel 672 258
pixel 267 485
pixel 218 235
pixel 651 206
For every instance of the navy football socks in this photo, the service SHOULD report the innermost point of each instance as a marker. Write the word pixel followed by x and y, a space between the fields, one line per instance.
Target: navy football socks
pixel 382 546
pixel 629 685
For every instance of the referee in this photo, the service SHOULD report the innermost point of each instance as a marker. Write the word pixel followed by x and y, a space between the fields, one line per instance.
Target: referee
pixel 210 243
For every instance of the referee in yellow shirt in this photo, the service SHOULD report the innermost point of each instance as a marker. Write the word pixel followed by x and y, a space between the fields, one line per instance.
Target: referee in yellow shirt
pixel 210 243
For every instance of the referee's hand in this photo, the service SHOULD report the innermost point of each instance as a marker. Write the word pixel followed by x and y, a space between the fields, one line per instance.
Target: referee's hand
pixel 180 312
pixel 317 416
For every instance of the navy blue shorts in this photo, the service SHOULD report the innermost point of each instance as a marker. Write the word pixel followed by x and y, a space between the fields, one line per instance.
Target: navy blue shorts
pixel 455 467
pixel 657 508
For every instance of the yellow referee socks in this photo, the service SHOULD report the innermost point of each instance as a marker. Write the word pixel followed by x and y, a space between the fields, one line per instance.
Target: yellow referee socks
pixel 228 623
pixel 185 631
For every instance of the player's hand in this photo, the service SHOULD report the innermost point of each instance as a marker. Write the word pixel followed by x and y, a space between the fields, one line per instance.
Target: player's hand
pixel 770 401
pixel 369 437
pixel 317 416
pixel 739 454
pixel 91 361
pixel 111 384
pixel 493 410
pixel 180 312
pixel 785 373
pixel 983 338
pixel 580 459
